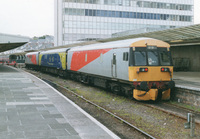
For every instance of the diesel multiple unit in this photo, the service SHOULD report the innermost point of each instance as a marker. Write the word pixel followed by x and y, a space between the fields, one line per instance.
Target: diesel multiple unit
pixel 140 68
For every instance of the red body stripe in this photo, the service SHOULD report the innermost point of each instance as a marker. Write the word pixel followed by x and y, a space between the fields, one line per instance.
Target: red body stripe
pixel 82 58
pixel 33 59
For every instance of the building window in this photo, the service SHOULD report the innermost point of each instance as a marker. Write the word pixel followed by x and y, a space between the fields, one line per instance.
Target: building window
pixel 90 12
pixel 123 14
pixel 142 4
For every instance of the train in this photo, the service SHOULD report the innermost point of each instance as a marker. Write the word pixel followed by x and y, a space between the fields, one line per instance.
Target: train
pixel 16 59
pixel 140 68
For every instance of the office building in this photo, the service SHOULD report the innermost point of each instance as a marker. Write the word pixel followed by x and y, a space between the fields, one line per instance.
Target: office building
pixel 83 20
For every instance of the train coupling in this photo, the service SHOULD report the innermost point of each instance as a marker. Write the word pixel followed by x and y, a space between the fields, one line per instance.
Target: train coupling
pixel 171 84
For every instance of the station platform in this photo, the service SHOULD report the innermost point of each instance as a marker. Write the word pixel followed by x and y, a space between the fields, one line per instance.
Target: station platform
pixel 31 109
pixel 187 80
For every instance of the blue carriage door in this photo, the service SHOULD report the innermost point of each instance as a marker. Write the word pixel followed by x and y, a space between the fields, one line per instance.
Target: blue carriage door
pixel 61 61
pixel 58 60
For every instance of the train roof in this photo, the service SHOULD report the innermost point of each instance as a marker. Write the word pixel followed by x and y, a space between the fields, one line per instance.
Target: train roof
pixel 139 42
pixel 60 50
pixel 21 53
pixel 32 53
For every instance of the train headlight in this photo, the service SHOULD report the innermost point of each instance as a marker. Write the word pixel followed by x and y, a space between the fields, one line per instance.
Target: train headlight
pixel 165 70
pixel 143 69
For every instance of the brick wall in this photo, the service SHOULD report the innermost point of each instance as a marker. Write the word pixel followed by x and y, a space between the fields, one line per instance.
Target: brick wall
pixel 186 96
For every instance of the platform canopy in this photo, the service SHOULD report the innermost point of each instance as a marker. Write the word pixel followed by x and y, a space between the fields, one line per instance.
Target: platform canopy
pixel 8 42
pixel 9 46
pixel 189 35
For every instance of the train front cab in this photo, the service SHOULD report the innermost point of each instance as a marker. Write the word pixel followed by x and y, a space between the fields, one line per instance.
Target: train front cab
pixel 151 70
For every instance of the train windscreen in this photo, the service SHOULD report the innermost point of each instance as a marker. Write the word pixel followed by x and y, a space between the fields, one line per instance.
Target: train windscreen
pixel 150 57
pixel 165 58
pixel 153 58
pixel 140 59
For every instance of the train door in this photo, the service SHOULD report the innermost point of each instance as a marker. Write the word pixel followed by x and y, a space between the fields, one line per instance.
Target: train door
pixel 66 61
pixel 114 66
pixel 63 61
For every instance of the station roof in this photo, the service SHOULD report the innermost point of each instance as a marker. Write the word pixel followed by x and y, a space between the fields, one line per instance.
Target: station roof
pixel 9 41
pixel 182 36
pixel 9 46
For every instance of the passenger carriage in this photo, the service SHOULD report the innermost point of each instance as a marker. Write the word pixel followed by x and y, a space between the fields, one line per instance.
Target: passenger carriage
pixel 32 60
pixel 54 61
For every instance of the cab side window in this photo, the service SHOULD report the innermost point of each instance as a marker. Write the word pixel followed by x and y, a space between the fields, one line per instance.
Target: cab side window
pixel 125 56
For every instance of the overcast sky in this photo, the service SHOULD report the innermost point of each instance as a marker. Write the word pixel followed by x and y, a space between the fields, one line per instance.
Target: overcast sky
pixel 36 17
pixel 27 17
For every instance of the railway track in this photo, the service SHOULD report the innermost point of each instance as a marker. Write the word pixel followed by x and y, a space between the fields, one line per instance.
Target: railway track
pixel 58 87
pixel 183 110
pixel 174 110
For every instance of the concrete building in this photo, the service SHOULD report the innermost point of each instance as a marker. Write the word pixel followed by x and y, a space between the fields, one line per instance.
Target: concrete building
pixel 83 20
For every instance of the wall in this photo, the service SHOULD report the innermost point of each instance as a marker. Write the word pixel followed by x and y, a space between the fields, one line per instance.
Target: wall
pixel 186 96
pixel 190 52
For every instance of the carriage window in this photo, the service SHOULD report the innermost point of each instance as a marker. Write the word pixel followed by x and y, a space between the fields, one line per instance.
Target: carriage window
pixel 125 56
pixel 140 59
pixel 85 57
pixel 114 59
pixel 153 58
pixel 164 58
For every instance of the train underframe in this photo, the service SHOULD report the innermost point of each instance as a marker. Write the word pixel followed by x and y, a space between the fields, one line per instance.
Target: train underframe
pixel 142 91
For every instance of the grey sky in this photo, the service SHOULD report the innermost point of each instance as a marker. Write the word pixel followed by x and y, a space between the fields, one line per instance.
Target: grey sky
pixel 36 17
pixel 27 17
